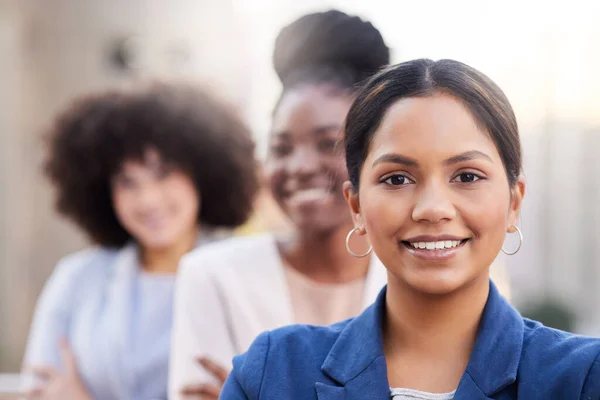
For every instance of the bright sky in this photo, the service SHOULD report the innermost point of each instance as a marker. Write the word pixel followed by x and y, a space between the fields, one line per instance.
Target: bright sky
pixel 545 56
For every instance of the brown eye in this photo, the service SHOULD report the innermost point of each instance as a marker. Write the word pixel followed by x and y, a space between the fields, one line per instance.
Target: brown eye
pixel 280 150
pixel 467 177
pixel 397 180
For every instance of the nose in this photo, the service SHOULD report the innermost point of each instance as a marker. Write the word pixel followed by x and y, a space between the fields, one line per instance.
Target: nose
pixel 148 195
pixel 433 204
pixel 304 161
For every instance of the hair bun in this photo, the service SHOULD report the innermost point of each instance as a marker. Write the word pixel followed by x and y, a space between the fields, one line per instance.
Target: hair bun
pixel 330 38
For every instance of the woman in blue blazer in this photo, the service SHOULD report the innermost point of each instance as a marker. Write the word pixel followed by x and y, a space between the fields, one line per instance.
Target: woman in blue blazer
pixel 434 160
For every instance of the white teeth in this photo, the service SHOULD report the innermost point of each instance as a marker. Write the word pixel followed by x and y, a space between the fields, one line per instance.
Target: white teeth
pixel 310 195
pixel 444 244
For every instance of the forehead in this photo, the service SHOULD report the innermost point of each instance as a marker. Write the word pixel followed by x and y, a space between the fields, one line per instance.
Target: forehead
pixel 309 107
pixel 428 127
pixel 150 158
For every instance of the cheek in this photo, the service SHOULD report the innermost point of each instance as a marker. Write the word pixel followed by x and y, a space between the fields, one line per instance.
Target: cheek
pixel 182 193
pixel 487 214
pixel 274 175
pixel 384 213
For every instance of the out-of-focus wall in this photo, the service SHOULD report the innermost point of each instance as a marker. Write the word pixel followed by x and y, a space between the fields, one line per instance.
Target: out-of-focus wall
pixel 10 99
pixel 53 50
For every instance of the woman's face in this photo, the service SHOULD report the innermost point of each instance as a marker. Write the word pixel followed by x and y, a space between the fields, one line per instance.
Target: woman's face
pixel 434 197
pixel 157 204
pixel 305 167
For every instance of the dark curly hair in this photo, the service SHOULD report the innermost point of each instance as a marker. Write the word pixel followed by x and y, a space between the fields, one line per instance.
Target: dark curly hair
pixel 329 47
pixel 190 129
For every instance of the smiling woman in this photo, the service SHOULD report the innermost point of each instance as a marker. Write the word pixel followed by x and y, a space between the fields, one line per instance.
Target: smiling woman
pixel 230 292
pixel 455 189
pixel 434 162
pixel 148 175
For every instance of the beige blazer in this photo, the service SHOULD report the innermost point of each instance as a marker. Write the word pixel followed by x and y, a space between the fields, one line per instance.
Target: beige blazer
pixel 226 294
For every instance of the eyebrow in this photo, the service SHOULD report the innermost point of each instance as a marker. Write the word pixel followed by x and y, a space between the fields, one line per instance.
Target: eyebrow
pixel 327 128
pixel 410 162
pixel 468 156
pixel 394 158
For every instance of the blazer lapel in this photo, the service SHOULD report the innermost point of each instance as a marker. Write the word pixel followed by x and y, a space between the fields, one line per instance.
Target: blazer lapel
pixel 495 358
pixel 328 392
pixel 468 390
pixel 279 310
pixel 357 369
pixel 356 363
pixel 258 310
pixel 370 384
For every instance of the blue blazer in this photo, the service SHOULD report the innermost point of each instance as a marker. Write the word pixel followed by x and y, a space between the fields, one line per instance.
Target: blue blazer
pixel 513 358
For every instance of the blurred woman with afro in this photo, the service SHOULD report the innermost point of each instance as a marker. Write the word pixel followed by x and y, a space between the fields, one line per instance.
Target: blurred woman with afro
pixel 148 175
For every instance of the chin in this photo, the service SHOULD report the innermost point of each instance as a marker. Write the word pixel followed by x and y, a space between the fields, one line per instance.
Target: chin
pixel 434 282
pixel 436 287
pixel 323 221
pixel 316 226
pixel 157 242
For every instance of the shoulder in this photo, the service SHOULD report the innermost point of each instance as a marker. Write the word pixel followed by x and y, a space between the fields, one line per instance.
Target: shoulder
pixel 82 264
pixel 231 253
pixel 73 276
pixel 562 358
pixel 541 341
pixel 295 350
pixel 305 341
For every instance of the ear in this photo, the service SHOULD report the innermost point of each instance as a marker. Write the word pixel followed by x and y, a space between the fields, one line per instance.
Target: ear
pixel 351 196
pixel 516 201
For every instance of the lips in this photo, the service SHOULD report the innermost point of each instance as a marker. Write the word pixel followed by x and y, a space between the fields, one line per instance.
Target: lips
pixel 154 221
pixel 435 248
pixel 309 196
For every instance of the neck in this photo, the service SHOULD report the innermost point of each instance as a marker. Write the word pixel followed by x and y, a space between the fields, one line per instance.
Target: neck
pixel 437 326
pixel 323 256
pixel 165 260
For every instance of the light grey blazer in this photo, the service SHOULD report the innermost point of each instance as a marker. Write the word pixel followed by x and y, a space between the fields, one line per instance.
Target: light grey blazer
pixel 228 293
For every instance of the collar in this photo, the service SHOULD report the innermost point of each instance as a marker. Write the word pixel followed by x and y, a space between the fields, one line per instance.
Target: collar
pixel 493 364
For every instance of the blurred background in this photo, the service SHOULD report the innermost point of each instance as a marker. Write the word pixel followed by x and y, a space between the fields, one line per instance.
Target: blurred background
pixel 545 56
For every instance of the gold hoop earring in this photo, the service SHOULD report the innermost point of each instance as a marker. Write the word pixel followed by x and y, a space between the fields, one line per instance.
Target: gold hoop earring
pixel 520 243
pixel 353 254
